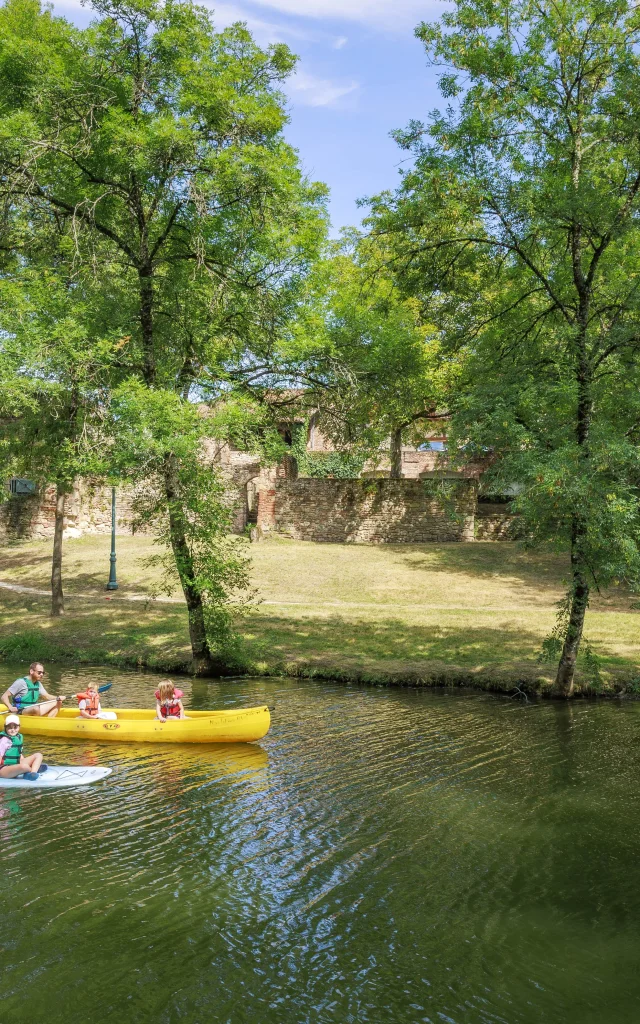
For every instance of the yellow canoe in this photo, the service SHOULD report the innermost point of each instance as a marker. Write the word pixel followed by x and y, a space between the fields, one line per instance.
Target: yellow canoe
pixel 239 725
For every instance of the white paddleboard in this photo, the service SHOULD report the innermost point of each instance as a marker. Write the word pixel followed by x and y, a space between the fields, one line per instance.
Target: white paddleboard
pixel 57 777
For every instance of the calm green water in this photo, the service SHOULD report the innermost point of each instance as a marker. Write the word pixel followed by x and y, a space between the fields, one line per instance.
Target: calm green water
pixel 381 857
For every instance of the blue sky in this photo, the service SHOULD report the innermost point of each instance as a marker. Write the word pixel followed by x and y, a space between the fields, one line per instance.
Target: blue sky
pixel 361 73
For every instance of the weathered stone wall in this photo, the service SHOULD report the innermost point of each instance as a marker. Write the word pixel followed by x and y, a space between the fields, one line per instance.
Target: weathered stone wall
pixel 494 522
pixel 337 511
pixel 88 510
pixel 368 511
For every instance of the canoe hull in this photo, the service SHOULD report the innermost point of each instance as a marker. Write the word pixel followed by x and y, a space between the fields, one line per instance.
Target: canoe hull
pixel 241 725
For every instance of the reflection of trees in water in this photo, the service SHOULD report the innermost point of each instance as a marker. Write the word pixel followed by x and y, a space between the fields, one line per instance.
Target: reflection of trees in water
pixel 563 761
pixel 10 813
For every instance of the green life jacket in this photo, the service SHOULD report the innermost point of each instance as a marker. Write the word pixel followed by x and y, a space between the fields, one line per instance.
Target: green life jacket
pixel 13 754
pixel 33 692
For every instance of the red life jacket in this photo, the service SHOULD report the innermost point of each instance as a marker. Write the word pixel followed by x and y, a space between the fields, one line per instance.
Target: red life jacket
pixel 170 708
pixel 93 701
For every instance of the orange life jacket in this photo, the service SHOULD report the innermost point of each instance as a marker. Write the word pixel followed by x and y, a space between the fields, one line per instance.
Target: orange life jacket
pixel 93 701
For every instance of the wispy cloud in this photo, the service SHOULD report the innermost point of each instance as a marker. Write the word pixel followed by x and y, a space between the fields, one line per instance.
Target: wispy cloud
pixel 265 32
pixel 340 42
pixel 318 92
pixel 380 13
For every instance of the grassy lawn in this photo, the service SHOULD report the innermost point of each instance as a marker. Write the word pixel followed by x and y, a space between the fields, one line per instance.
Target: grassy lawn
pixel 443 612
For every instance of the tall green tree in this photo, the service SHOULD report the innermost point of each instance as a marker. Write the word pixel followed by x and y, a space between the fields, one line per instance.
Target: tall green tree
pixel 158 144
pixel 385 380
pixel 54 385
pixel 519 223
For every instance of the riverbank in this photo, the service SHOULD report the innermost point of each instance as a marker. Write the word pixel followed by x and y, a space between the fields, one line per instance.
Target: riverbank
pixel 449 614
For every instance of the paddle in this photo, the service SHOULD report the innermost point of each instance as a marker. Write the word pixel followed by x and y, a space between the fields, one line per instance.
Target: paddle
pixel 103 689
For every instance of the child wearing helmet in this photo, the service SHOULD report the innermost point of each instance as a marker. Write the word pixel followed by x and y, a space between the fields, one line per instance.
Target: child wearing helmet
pixel 12 760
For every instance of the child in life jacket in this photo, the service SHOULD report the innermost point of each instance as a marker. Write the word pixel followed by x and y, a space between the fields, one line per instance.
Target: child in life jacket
pixel 12 760
pixel 89 704
pixel 168 704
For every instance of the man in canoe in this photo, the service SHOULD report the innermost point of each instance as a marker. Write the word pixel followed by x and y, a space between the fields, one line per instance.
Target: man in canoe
pixel 24 696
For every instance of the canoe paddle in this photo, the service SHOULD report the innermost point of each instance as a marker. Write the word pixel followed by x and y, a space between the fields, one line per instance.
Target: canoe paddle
pixel 103 689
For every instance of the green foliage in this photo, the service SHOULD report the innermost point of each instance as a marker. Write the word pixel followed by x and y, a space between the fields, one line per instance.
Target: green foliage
pixel 150 146
pixel 517 228
pixel 160 435
pixel 55 368
pixel 379 363
pixel 447 493
pixel 341 465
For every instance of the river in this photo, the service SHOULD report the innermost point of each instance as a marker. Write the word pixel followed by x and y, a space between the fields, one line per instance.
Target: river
pixel 383 856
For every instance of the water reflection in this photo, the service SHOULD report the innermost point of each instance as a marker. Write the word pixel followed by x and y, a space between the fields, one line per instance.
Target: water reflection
pixel 381 857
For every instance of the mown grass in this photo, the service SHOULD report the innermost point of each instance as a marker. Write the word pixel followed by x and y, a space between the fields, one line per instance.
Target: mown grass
pixel 447 613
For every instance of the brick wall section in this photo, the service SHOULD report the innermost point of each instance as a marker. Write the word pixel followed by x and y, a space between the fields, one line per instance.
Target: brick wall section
pixel 267 510
pixel 367 511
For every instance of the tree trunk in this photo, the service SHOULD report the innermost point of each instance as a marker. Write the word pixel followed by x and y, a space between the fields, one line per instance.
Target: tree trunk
pixel 579 600
pixel 57 597
pixel 563 686
pixel 145 277
pixel 204 662
pixel 395 454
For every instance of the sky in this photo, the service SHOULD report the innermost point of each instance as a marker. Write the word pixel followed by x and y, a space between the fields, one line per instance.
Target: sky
pixel 361 73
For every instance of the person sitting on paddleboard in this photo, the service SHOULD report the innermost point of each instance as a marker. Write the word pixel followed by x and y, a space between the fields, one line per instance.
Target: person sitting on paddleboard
pixel 89 704
pixel 12 760
pixel 22 696
pixel 168 704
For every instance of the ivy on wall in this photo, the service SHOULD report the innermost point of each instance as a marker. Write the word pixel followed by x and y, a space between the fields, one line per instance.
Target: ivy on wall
pixel 339 465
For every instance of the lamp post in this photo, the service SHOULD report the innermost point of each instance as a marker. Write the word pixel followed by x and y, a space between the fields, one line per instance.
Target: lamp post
pixel 113 583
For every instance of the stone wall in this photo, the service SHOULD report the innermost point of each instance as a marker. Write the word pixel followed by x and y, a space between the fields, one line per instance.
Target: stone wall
pixel 494 521
pixel 336 511
pixel 368 511
pixel 88 510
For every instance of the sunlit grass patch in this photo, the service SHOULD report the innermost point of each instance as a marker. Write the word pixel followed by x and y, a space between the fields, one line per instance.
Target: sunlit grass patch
pixel 448 612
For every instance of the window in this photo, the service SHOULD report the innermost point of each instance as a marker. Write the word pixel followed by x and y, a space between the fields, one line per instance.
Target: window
pixel 433 446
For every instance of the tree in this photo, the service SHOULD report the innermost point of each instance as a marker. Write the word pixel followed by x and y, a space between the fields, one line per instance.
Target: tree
pixel 519 224
pixel 54 375
pixel 162 436
pixel 158 143
pixel 385 381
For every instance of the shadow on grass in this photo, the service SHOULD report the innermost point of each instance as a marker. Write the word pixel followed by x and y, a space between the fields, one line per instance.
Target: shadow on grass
pixel 340 640
pixel 507 562
pixel 157 637
pixel 489 561
pixel 76 579
pixel 89 632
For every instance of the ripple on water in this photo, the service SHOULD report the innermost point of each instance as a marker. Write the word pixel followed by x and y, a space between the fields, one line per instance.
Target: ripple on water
pixel 380 856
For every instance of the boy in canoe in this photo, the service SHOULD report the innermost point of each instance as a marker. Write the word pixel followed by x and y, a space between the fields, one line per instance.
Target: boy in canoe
pixel 23 696
pixel 89 703
pixel 12 760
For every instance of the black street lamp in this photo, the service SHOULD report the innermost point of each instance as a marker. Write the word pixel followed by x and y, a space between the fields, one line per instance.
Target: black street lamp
pixel 113 583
